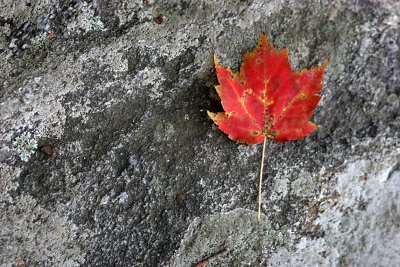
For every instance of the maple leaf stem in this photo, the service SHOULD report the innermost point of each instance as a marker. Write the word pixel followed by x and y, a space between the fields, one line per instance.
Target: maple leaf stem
pixel 260 181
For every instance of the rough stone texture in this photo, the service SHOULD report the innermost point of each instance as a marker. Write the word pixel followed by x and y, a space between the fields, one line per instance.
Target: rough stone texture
pixel 232 238
pixel 131 172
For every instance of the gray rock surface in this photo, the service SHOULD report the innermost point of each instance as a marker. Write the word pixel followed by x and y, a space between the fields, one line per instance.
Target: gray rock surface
pixel 129 170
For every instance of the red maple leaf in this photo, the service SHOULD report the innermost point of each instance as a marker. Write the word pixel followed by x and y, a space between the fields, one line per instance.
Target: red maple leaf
pixel 267 99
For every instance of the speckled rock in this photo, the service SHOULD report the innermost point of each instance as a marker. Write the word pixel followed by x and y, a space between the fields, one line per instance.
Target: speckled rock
pixel 129 170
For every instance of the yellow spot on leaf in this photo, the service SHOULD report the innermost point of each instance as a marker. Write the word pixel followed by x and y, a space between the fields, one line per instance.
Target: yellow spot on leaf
pixel 267 102
pixel 229 114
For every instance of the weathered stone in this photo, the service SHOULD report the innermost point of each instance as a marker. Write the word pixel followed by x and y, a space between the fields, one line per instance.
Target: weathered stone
pixel 138 175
